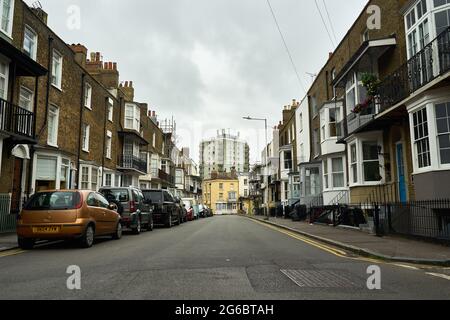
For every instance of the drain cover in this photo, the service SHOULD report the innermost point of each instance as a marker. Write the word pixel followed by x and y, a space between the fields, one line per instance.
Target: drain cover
pixel 318 279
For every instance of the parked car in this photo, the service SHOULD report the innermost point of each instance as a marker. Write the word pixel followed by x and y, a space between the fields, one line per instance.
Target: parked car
pixel 190 207
pixel 131 207
pixel 202 211
pixel 71 214
pixel 190 214
pixel 196 212
pixel 165 210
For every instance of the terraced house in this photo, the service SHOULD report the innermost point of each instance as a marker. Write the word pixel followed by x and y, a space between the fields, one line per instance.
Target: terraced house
pixel 66 120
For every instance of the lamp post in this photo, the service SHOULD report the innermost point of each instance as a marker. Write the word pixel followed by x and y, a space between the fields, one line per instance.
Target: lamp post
pixel 267 153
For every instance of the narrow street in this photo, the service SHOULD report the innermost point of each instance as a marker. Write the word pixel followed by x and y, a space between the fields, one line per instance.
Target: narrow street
pixel 225 257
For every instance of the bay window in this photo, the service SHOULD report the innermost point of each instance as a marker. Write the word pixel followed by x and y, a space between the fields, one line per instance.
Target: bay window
pixel 421 140
pixel 337 165
pixel 443 131
pixel 89 177
pixel 354 163
pixel 132 117
pixel 365 163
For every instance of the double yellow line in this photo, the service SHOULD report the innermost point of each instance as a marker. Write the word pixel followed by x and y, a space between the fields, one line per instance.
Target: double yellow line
pixel 12 252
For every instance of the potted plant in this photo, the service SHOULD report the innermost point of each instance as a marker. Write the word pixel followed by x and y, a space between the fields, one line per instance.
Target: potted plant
pixel 371 83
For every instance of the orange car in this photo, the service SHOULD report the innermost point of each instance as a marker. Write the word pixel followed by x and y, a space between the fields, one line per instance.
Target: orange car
pixel 67 214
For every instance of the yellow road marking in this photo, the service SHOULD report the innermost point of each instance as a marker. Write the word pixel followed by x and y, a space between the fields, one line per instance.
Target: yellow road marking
pixel 11 253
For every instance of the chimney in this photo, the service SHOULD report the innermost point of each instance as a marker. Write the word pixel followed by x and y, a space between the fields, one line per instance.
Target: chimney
pixel 80 53
pixel 128 90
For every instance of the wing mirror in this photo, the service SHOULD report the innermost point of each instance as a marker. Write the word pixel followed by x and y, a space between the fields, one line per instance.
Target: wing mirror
pixel 113 207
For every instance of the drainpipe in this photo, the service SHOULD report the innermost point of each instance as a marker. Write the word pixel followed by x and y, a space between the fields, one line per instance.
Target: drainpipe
pixel 104 140
pixel 32 148
pixel 83 76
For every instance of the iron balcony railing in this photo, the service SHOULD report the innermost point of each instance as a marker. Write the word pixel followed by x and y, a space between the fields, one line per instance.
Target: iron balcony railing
pixel 16 120
pixel 425 66
pixel 166 177
pixel 129 161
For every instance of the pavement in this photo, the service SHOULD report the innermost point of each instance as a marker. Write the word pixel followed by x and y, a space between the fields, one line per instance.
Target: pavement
pixel 220 258
pixel 8 241
pixel 390 248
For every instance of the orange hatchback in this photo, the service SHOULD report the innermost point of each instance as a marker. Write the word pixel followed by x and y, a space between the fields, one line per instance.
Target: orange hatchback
pixel 67 214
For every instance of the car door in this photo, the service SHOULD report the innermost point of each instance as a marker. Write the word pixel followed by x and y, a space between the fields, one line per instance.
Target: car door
pixel 109 216
pixel 96 212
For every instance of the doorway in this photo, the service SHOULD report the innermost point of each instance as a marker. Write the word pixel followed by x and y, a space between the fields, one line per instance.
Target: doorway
pixel 402 190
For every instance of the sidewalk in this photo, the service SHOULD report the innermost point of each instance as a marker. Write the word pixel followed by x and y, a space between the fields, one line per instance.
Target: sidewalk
pixel 389 248
pixel 8 241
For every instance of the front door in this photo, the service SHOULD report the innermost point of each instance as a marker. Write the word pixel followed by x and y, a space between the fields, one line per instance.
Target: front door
pixel 401 173
pixel 17 186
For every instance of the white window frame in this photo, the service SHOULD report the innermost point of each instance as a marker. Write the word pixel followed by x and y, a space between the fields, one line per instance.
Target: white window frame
pixel 8 30
pixel 5 76
pixel 33 40
pixel 85 137
pixel 52 137
pixel 359 140
pixel 110 110
pixel 29 99
pixel 90 182
pixel 134 116
pixel 109 145
pixel 88 96
pixel 57 59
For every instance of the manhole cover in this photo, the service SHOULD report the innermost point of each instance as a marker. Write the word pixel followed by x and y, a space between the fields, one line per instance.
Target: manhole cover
pixel 318 279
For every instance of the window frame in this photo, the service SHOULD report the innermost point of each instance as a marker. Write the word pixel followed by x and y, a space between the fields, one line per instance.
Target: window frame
pixel 85 137
pixel 58 76
pixel 88 96
pixel 34 41
pixel 9 29
pixel 53 112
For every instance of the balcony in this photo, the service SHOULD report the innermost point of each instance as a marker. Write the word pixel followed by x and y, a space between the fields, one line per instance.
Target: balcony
pixel 133 163
pixel 17 121
pixel 427 65
pixel 164 176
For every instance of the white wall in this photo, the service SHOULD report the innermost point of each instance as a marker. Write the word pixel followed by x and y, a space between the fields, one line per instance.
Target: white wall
pixel 303 137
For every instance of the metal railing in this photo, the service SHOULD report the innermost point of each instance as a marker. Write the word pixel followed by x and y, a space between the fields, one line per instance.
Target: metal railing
pixel 431 62
pixel 16 120
pixel 129 161
pixel 7 220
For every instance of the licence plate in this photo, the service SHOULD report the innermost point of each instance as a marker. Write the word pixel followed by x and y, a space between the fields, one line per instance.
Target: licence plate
pixel 46 229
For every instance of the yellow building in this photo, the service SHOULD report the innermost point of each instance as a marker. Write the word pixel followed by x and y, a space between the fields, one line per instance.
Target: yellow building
pixel 221 195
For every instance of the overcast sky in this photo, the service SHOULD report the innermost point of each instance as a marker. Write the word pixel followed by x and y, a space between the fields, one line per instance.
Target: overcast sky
pixel 208 63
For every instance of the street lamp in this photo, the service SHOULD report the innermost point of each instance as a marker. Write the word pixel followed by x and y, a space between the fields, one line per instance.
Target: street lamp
pixel 267 154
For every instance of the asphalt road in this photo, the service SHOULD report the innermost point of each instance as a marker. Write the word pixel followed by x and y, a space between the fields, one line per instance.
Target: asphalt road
pixel 227 257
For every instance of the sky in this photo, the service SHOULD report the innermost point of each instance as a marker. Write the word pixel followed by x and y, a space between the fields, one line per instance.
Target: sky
pixel 209 63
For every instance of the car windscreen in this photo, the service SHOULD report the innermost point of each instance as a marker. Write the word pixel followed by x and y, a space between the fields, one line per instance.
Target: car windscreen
pixel 118 195
pixel 153 196
pixel 53 201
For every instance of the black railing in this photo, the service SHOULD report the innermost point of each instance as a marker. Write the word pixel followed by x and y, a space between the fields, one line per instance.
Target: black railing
pixel 425 66
pixel 16 120
pixel 132 162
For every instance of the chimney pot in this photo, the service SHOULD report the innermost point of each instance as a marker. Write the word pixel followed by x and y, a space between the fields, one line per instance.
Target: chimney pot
pixel 131 84
pixel 105 66
pixel 126 84
pixel 115 65
pixel 97 56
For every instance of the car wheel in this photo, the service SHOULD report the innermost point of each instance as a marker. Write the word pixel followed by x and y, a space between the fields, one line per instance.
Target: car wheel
pixel 26 244
pixel 87 239
pixel 137 230
pixel 119 231
pixel 169 221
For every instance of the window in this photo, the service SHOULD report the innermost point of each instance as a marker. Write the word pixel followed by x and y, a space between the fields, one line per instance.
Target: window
pixel 4 76
pixel 26 99
pixel 30 42
pixel 154 140
pixel 110 110
pixel 84 178
pixel 88 96
pixel 94 179
pixel 232 195
pixel 325 173
pixel 316 140
pixel 356 93
pixel 6 16
pixel 65 170
pixel 108 180
pixel 286 190
pixel 354 163
pixel 371 163
pixel 332 121
pixel 314 108
pixel 108 144
pixel 221 186
pixel 411 18
pixel 287 160
pixel 442 19
pixel 132 117
pixel 85 137
pixel 337 165
pixel 52 125
pixel 365 36
pixel 421 140
pixel 421 9
pixel 301 122
pixel 57 69
pixel 221 196
pixel 312 182
pixel 443 130
pixel 245 193
pixel 438 3
pixel 245 182
pixel 179 177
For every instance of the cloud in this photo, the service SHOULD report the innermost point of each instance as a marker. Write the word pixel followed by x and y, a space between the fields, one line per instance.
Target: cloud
pixel 208 63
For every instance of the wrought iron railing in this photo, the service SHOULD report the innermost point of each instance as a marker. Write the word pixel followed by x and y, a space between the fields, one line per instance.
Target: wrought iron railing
pixel 7 220
pixel 16 120
pixel 129 161
pixel 425 66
